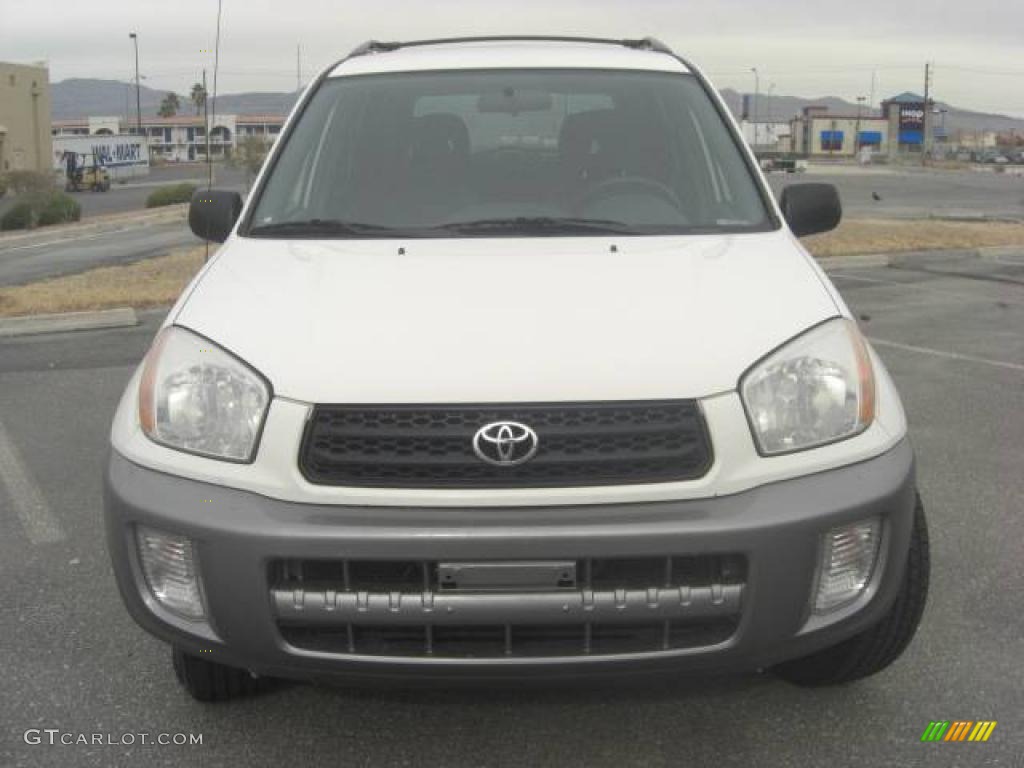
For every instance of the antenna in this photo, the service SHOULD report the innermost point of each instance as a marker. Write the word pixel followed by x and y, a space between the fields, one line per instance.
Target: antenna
pixel 298 67
pixel 206 135
pixel 213 117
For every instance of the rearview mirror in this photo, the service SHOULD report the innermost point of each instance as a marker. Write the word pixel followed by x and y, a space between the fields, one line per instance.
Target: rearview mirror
pixel 512 101
pixel 811 208
pixel 213 212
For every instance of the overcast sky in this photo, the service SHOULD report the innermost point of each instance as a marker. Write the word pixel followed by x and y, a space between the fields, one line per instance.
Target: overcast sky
pixel 804 47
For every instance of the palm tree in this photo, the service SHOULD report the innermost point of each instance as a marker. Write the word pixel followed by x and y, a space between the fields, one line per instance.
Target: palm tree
pixel 169 106
pixel 198 97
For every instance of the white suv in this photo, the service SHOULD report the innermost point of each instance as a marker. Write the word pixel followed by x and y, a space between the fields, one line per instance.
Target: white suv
pixel 511 365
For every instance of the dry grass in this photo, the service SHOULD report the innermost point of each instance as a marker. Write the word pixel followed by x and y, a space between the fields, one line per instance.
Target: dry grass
pixel 159 281
pixel 887 235
pixel 150 283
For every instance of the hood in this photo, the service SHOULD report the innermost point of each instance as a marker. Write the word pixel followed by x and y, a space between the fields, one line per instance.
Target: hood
pixel 506 320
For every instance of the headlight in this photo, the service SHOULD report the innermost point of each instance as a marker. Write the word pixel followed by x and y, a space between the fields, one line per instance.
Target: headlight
pixel 817 389
pixel 196 397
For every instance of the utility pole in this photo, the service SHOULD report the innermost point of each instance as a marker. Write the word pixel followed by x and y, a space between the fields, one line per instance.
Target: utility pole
pixel 856 130
pixel 138 96
pixel 206 134
pixel 927 111
pixel 871 98
pixel 757 93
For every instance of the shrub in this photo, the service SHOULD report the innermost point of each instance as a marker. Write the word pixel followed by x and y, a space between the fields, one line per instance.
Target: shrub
pixel 169 195
pixel 18 217
pixel 29 182
pixel 58 209
pixel 41 210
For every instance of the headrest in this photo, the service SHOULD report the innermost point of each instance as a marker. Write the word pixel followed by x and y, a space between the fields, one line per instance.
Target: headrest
pixel 440 133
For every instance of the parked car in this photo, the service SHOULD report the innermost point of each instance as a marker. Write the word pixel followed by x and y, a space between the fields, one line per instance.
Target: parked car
pixel 512 366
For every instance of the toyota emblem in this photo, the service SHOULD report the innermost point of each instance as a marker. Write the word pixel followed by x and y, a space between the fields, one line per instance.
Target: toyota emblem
pixel 505 443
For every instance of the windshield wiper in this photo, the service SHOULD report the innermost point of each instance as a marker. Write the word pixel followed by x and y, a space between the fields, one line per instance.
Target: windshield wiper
pixel 315 227
pixel 543 225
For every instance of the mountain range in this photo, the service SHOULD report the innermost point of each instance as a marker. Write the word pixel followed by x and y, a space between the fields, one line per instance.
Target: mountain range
pixel 81 97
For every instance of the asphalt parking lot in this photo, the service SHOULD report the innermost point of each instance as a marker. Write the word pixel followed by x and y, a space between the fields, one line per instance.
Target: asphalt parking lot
pixel 952 333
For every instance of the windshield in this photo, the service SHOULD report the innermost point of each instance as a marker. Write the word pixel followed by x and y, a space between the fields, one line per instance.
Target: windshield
pixel 508 152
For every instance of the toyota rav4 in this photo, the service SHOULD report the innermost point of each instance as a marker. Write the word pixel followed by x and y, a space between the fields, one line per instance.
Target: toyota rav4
pixel 511 365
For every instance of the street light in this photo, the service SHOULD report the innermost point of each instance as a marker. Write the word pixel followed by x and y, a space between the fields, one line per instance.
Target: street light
pixel 757 94
pixel 138 96
pixel 856 131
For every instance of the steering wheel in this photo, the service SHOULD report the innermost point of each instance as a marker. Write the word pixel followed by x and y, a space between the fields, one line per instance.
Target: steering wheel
pixel 618 184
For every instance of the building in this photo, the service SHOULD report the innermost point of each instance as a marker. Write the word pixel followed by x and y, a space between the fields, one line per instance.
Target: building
pixel 818 133
pixel 910 121
pixel 24 116
pixel 767 136
pixel 181 138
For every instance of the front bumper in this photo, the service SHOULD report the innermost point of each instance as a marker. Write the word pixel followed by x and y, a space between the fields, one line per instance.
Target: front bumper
pixel 777 528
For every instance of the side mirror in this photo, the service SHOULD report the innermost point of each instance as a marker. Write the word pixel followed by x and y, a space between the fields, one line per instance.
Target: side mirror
pixel 213 212
pixel 811 208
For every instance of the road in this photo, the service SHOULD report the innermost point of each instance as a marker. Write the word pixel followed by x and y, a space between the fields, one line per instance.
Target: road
pixel 131 196
pixel 903 194
pixel 952 334
pixel 51 254
pixel 917 193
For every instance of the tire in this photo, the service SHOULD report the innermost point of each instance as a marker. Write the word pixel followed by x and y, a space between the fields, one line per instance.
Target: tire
pixel 880 645
pixel 210 681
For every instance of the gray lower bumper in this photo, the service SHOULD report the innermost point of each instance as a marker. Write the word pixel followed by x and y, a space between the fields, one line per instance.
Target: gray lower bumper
pixel 777 528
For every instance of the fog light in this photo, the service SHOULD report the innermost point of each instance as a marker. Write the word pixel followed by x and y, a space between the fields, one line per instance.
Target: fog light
pixel 172 575
pixel 847 560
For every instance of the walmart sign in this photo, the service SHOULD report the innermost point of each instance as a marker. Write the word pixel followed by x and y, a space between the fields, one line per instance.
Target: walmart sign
pixel 123 156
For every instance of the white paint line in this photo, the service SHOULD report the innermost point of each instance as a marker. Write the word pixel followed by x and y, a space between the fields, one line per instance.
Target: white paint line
pixel 61 241
pixel 947 355
pixel 35 515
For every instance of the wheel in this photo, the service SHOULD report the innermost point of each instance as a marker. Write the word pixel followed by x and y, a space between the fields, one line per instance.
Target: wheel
pixel 210 681
pixel 880 645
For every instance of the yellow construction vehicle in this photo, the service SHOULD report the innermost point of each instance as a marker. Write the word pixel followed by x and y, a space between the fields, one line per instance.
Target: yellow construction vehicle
pixel 81 174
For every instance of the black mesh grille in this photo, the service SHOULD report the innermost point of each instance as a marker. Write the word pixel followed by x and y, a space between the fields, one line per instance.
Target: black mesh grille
pixel 579 444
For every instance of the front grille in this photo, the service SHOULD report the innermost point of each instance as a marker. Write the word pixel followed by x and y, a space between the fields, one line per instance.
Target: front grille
pixel 579 444
pixel 403 609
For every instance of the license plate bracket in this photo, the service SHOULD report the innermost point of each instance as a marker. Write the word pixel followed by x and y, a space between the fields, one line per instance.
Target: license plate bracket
pixel 507 576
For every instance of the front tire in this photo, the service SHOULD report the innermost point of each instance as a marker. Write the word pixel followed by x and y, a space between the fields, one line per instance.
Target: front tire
pixel 209 681
pixel 880 645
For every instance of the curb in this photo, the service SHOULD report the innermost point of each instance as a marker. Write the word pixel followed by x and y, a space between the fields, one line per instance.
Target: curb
pixel 31 325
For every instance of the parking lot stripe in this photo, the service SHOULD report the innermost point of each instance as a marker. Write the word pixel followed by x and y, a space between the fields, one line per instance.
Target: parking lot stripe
pixel 41 527
pixel 948 355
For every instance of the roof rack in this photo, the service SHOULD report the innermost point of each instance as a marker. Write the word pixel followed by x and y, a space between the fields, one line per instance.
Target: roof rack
pixel 642 44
